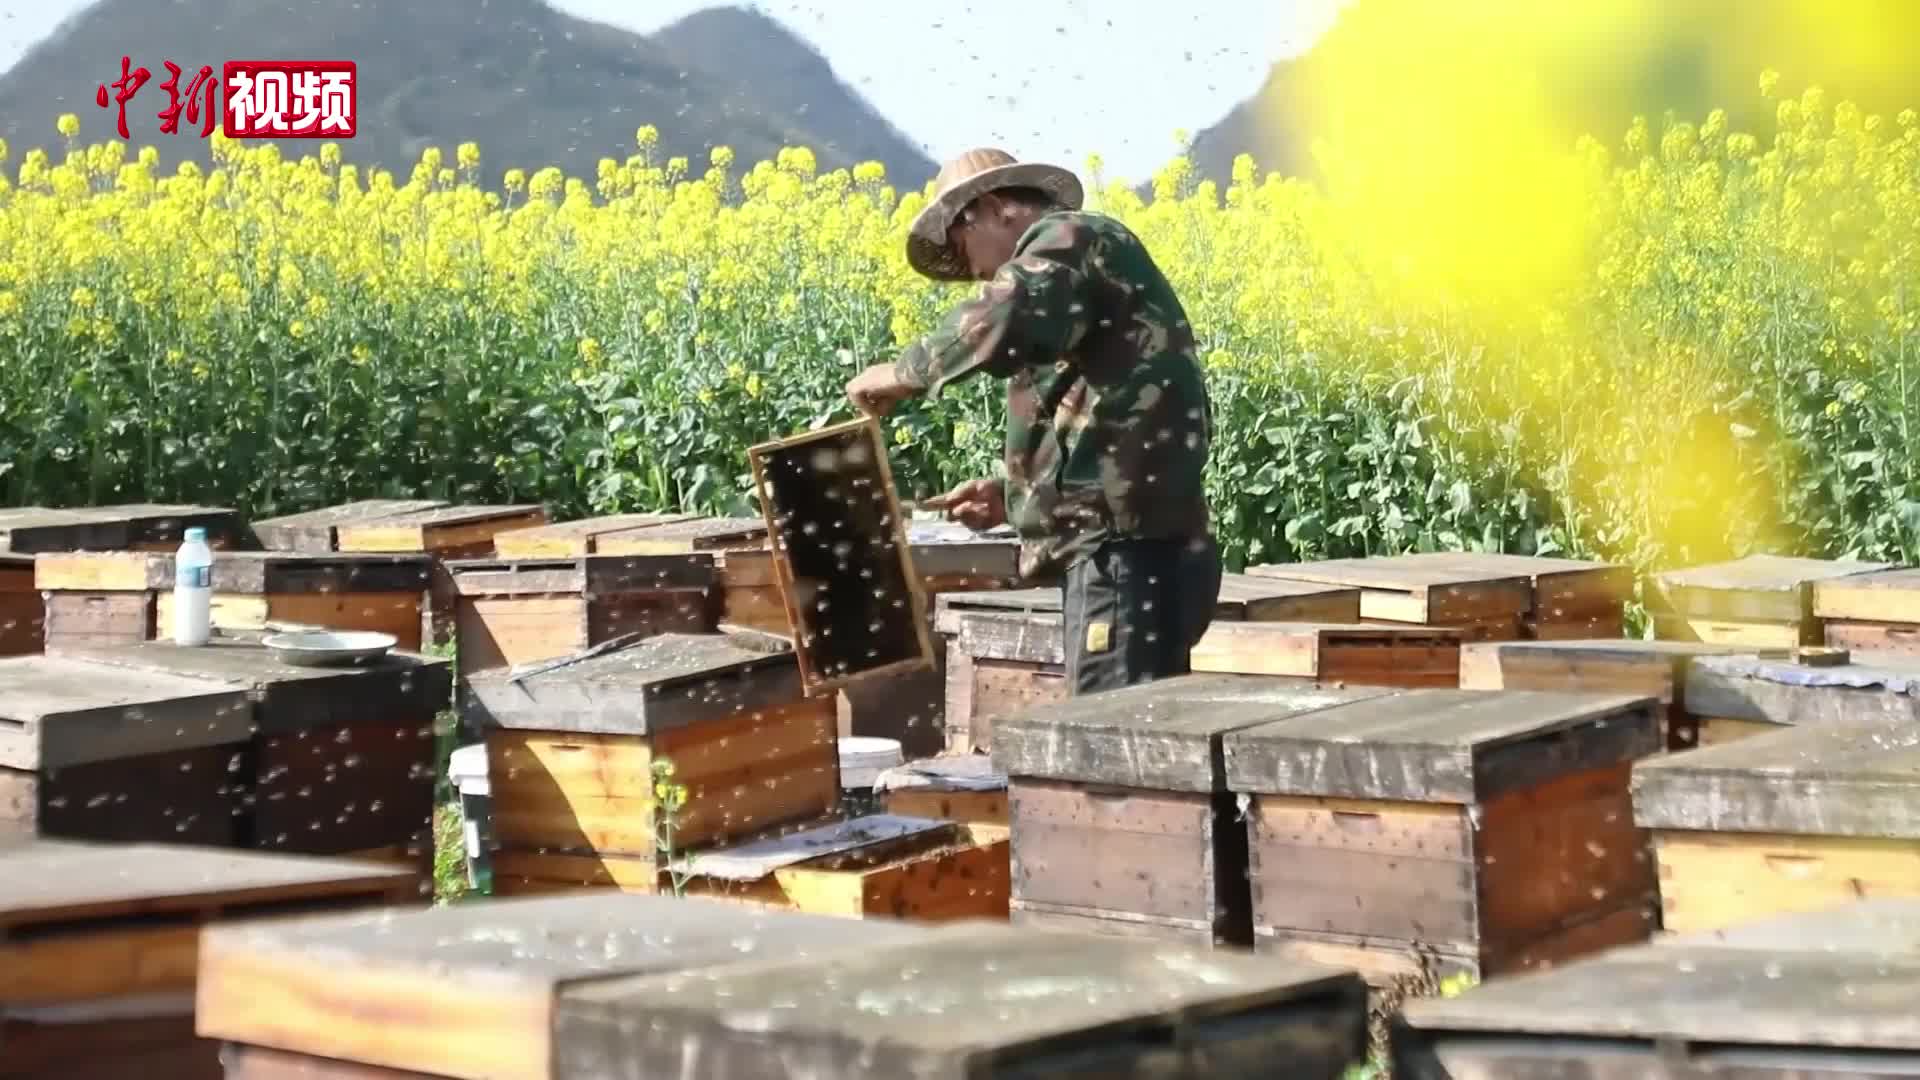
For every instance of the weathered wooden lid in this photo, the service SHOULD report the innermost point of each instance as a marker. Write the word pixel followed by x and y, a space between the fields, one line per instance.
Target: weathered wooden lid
pixel 1240 595
pixel 60 882
pixel 57 711
pixel 1750 687
pixel 1163 736
pixel 1880 596
pixel 949 772
pixel 596 575
pixel 314 530
pixel 468 990
pixel 1588 664
pixel 975 1000
pixel 399 688
pixel 1883 926
pixel 564 539
pixel 250 573
pixel 1451 746
pixel 1670 994
pixel 686 536
pixel 109 528
pixel 1429 589
pixel 1774 588
pixel 1842 779
pixel 655 684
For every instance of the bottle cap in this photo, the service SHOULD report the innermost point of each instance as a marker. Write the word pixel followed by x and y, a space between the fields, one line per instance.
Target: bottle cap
pixel 196 535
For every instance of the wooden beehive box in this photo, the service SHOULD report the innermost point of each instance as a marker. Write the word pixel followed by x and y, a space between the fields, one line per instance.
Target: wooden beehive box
pixel 469 991
pixel 1737 695
pixel 571 749
pixel 1476 831
pixel 572 539
pixel 1872 612
pixel 840 555
pixel 1665 1011
pixel 1878 927
pixel 952 787
pixel 1349 655
pixel 1793 821
pixel 317 531
pixel 23 614
pixel 687 536
pixel 1571 598
pixel 445 533
pixel 99 947
pixel 879 866
pixel 975 1002
pixel 1121 819
pixel 1761 601
pixel 1004 650
pixel 103 598
pixel 1657 669
pixel 513 613
pixel 1485 603
pixel 124 527
pixel 748 592
pixel 340 760
pixel 94 752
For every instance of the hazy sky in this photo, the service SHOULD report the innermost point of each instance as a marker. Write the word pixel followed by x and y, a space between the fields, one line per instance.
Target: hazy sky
pixel 1042 78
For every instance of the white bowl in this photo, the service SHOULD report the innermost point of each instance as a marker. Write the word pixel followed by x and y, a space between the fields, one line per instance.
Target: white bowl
pixel 329 648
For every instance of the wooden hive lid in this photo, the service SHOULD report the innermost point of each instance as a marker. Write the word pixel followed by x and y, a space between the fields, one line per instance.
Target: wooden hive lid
pixel 1671 994
pixel 317 530
pixel 32 529
pixel 468 990
pixel 398 688
pixel 1875 596
pixel 940 550
pixel 48 882
pixel 974 1000
pixel 1434 745
pixel 58 711
pixel 655 684
pixel 1844 779
pixel 1238 594
pixel 248 573
pixel 1162 736
pixel 1752 687
pixel 1767 588
pixel 582 574
pixel 1410 588
pixel 687 535
pixel 948 772
pixel 1881 926
pixel 562 539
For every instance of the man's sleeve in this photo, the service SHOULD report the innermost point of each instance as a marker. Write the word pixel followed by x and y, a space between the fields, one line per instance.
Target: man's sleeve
pixel 1034 309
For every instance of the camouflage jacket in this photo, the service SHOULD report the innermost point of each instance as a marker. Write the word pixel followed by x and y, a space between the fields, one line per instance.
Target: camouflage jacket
pixel 1108 420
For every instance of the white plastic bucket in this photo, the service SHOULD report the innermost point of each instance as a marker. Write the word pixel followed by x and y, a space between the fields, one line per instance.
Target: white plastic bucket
pixel 863 759
pixel 467 768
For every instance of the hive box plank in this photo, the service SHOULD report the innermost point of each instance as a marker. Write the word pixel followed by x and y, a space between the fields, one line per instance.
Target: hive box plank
pixel 1755 693
pixel 251 589
pixel 99 945
pixel 1657 669
pixel 127 526
pixel 1877 927
pixel 1333 655
pixel 1425 590
pixel 1489 830
pixel 570 752
pixel 1792 821
pixel 340 760
pixel 30 529
pixel 1763 601
pixel 978 1001
pixel 516 612
pixel 686 536
pixel 878 866
pixel 470 991
pixel 952 787
pixel 99 753
pixel 840 555
pixel 23 617
pixel 1120 815
pixel 1665 1011
pixel 1871 611
pixel 572 539
pixel 449 532
pixel 316 531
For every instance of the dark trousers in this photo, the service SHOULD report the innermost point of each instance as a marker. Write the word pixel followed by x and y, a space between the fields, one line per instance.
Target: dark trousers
pixel 1134 610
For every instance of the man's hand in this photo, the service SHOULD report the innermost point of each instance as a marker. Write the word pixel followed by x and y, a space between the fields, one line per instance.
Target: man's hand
pixel 877 390
pixel 978 504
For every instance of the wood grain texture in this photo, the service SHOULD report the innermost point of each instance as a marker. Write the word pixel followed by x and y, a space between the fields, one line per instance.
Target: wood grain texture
pixel 447 531
pixel 59 712
pixel 662 682
pixel 469 990
pixel 1417 588
pixel 1458 746
pixel 976 1001
pixel 686 536
pixel 1887 596
pixel 1742 687
pixel 1332 655
pixel 1878 637
pixel 98 618
pixel 1758 588
pixel 187 796
pixel 399 689
pixel 1875 927
pixel 315 530
pixel 1857 779
pixel 1716 880
pixel 1162 736
pixel 567 539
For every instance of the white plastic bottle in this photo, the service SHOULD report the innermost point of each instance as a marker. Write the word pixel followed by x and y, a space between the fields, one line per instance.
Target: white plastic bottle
pixel 193 590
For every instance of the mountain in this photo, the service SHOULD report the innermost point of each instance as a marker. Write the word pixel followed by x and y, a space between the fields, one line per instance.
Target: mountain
pixel 531 85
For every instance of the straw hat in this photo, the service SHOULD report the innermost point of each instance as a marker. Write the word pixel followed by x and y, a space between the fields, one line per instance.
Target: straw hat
pixel 963 180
